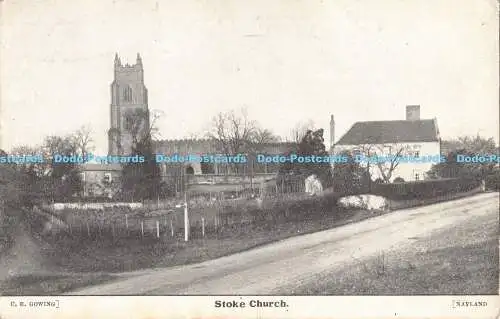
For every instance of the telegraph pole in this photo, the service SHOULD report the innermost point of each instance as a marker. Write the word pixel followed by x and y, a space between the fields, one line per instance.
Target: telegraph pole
pixel 186 214
pixel 186 218
pixel 183 184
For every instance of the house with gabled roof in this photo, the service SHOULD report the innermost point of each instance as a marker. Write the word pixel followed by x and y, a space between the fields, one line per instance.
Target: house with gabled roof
pixel 100 179
pixel 402 149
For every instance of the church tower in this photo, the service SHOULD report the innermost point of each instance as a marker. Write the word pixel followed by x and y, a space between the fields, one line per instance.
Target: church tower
pixel 129 98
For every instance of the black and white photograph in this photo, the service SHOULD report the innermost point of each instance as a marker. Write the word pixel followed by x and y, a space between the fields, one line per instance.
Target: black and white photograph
pixel 249 148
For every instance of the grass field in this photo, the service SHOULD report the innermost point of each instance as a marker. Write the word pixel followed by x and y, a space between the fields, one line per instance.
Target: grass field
pixel 458 261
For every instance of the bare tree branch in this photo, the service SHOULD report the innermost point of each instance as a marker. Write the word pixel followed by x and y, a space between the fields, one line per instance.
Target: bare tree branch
pixel 83 140
pixel 300 130
pixel 387 167
pixel 263 136
pixel 233 133
pixel 141 125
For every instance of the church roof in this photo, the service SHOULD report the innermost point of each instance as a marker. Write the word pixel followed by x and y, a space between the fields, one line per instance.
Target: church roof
pixel 386 132
pixel 101 167
pixel 211 142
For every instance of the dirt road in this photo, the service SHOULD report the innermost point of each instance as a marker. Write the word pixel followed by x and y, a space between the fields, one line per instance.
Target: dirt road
pixel 296 261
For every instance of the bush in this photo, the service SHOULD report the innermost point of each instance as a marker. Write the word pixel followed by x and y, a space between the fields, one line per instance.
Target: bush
pixel 399 180
pixel 424 189
pixel 282 209
pixel 8 224
pixel 492 181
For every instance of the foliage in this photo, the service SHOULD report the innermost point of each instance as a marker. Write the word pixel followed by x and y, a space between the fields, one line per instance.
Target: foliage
pixel 492 180
pixel 475 144
pixel 141 180
pixel 424 189
pixel 53 180
pixel 312 144
pixel 300 130
pixel 350 177
pixel 283 209
pixel 13 186
pixel 468 146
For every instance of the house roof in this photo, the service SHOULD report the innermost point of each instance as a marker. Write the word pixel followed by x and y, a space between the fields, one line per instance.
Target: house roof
pixel 382 132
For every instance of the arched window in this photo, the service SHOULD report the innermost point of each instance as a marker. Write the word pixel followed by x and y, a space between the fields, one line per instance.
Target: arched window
pixel 190 170
pixel 127 94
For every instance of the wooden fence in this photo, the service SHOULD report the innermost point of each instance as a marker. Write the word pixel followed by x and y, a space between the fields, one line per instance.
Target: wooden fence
pixel 165 219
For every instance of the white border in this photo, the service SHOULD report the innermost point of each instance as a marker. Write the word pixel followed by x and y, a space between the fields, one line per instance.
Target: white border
pixel 199 307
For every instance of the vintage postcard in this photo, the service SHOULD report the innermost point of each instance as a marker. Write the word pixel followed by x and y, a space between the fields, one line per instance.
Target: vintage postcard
pixel 249 159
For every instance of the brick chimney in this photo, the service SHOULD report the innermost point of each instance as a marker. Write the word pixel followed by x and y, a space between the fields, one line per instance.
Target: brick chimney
pixel 413 112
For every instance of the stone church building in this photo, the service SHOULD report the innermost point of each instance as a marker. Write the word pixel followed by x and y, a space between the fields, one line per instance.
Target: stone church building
pixel 129 95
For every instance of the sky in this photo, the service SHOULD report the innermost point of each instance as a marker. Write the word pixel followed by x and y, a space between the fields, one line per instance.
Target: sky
pixel 284 61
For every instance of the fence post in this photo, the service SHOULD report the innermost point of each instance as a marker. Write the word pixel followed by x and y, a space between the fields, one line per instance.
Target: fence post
pixel 126 221
pixel 215 222
pixel 203 227
pixel 88 229
pixel 142 228
pixel 171 228
pixel 113 230
pixel 157 229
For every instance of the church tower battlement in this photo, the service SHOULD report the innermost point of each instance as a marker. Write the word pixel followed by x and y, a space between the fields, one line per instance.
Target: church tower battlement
pixel 128 95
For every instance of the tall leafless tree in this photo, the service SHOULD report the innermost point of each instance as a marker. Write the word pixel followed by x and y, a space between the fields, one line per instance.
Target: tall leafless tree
pixel 232 132
pixel 83 140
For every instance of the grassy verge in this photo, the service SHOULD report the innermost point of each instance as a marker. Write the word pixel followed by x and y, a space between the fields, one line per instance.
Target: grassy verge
pixel 49 284
pixel 8 222
pixel 459 261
